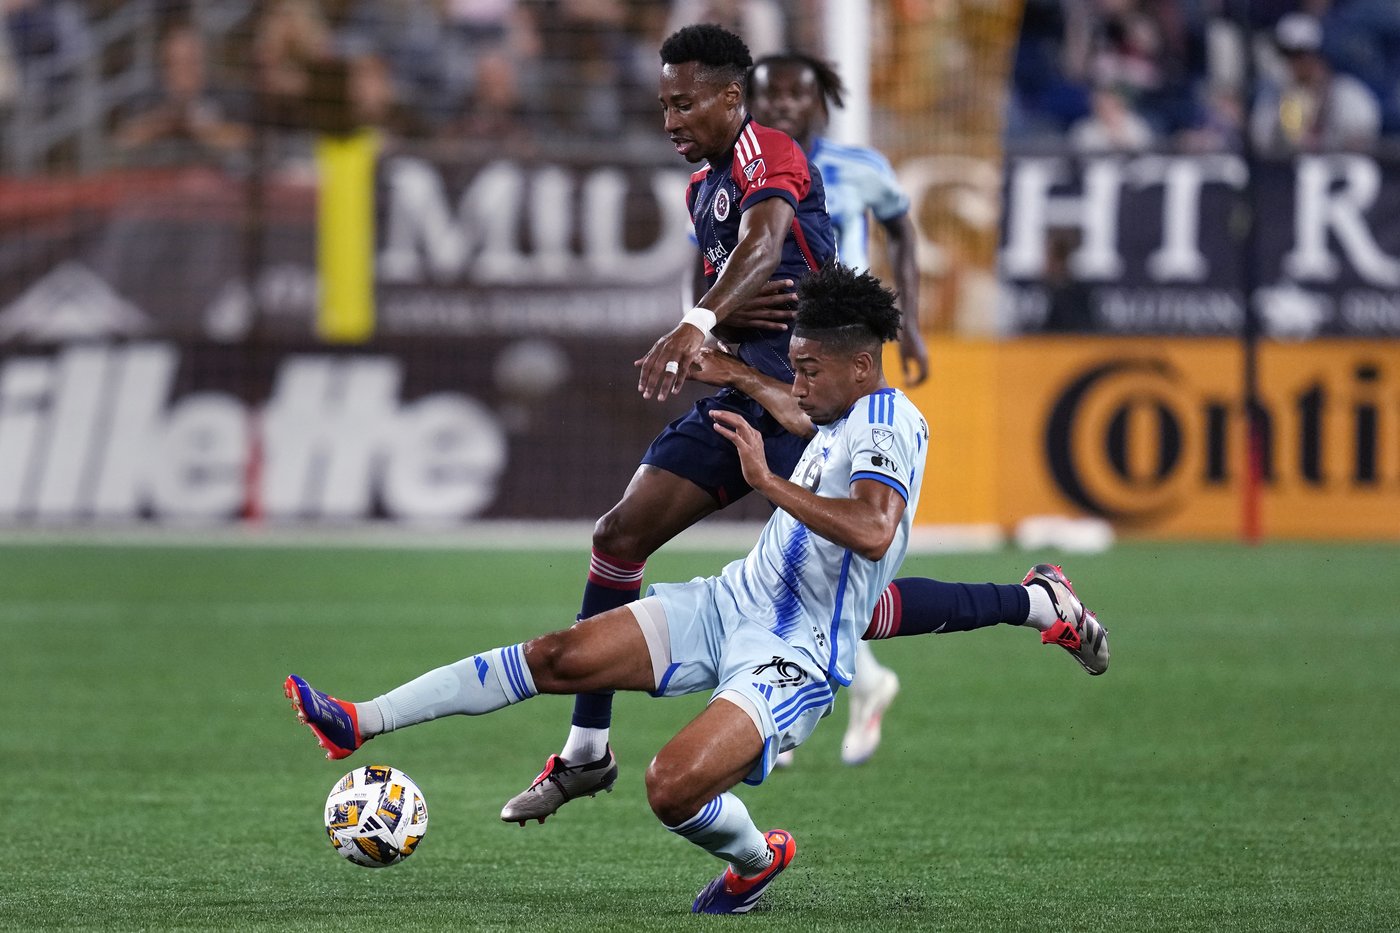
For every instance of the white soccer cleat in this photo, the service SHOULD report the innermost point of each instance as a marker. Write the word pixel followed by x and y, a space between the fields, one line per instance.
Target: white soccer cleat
pixel 559 783
pixel 1077 630
pixel 868 705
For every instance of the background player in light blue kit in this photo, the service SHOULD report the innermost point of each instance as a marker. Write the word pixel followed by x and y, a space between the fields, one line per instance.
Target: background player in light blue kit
pixel 772 636
pixel 794 92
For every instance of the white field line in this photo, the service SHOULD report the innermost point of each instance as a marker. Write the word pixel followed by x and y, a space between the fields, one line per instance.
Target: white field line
pixel 486 535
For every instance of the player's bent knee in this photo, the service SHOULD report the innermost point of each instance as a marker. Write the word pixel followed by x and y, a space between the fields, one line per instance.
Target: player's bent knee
pixel 671 795
pixel 553 666
pixel 614 535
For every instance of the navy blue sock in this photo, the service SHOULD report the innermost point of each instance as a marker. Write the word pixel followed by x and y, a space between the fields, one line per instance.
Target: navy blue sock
pixel 921 606
pixel 612 583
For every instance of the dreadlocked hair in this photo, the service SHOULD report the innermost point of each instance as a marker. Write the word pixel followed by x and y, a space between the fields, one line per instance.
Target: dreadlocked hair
pixel 836 304
pixel 722 55
pixel 828 81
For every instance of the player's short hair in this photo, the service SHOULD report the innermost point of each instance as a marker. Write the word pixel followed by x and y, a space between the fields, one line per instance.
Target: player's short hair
pixel 846 309
pixel 828 81
pixel 722 56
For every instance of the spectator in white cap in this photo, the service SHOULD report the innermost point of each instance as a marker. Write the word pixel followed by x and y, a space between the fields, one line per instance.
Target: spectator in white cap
pixel 1314 108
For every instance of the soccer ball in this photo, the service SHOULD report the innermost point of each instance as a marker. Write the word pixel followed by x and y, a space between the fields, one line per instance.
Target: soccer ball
pixel 376 816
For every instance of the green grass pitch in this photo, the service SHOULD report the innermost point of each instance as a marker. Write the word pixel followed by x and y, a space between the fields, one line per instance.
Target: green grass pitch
pixel 1238 768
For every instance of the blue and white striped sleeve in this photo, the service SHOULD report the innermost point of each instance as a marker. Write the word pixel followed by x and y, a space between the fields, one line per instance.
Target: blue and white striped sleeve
pixel 888 440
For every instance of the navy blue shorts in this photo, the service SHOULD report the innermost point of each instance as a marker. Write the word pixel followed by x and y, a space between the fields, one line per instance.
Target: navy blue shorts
pixel 691 448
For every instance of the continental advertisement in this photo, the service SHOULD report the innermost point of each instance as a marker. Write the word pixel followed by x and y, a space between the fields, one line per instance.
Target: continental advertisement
pixel 1151 436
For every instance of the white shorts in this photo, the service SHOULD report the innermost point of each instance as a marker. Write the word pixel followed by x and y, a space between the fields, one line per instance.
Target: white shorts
pixel 695 647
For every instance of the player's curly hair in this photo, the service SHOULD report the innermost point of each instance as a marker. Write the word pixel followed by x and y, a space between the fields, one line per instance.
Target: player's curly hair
pixel 828 81
pixel 722 55
pixel 837 304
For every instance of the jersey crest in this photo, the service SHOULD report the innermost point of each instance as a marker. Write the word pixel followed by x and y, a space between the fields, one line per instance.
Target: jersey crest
pixel 721 205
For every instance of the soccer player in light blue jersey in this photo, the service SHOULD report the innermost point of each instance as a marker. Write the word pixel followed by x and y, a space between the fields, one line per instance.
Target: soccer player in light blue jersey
pixel 793 92
pixel 772 636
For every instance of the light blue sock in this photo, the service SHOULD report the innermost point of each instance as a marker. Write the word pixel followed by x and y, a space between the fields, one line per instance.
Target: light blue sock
pixel 479 684
pixel 724 829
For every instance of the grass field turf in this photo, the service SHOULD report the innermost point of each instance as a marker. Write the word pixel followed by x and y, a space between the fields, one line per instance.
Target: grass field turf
pixel 1238 768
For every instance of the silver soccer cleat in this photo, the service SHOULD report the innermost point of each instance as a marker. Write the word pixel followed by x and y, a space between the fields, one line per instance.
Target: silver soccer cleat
pixel 559 783
pixel 1078 630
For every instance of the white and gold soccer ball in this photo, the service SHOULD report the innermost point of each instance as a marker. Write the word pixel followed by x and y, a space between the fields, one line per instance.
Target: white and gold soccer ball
pixel 376 816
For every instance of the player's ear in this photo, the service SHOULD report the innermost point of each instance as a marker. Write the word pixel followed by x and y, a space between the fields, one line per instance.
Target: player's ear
pixel 863 364
pixel 734 94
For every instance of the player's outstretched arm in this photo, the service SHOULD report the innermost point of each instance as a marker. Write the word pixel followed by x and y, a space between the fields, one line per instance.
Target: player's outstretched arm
pixel 760 248
pixel 866 522
pixel 902 239
pixel 717 368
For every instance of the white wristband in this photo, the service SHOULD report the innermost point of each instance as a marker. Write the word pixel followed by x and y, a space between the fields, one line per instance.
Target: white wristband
pixel 703 318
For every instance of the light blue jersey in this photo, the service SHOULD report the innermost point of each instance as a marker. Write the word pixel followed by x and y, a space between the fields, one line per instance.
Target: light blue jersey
pixel 859 182
pixel 811 593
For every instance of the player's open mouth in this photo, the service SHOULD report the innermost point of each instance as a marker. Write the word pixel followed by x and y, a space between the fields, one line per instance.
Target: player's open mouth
pixel 683 146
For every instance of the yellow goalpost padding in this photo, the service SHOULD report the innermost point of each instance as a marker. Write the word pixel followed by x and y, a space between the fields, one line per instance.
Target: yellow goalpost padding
pixel 345 237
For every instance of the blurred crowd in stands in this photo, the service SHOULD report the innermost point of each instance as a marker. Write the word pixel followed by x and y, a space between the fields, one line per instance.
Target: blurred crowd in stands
pixel 1277 76
pixel 171 80
pixel 491 72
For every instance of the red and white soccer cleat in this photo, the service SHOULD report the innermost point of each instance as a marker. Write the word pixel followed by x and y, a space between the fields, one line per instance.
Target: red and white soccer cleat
pixel 1077 630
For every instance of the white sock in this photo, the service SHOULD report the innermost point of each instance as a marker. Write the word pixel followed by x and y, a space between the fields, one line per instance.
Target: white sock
pixel 369 719
pixel 723 829
pixel 584 745
pixel 1042 608
pixel 868 670
pixel 472 686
